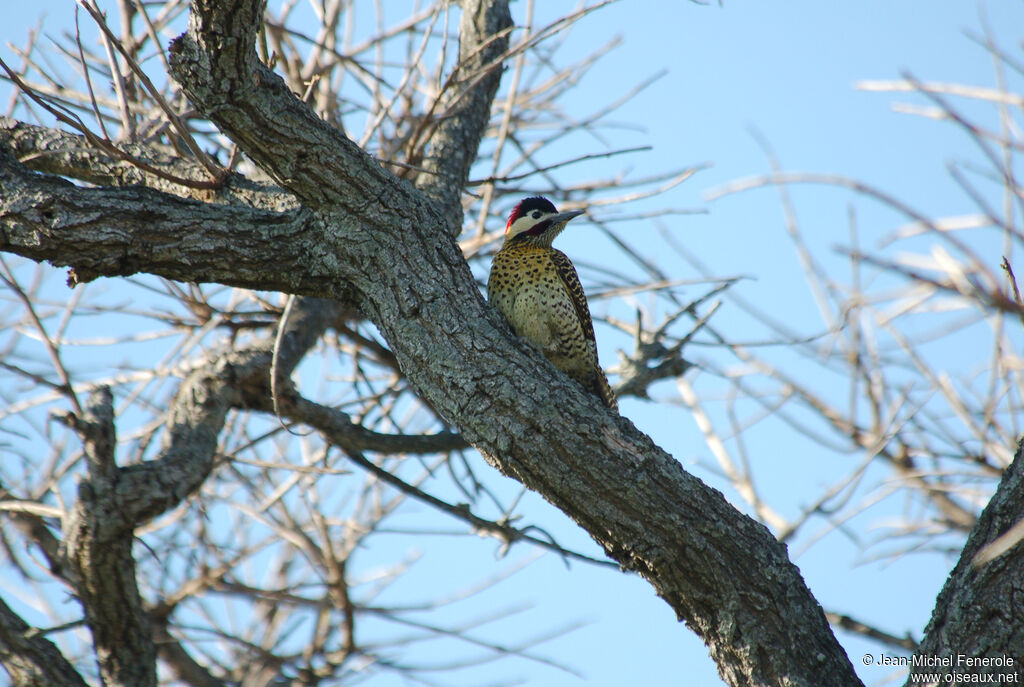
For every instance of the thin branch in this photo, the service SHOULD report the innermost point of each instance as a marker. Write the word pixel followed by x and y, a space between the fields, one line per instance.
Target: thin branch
pixel 849 624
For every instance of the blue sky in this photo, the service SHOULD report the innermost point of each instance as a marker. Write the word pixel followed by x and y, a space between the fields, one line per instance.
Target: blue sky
pixel 786 70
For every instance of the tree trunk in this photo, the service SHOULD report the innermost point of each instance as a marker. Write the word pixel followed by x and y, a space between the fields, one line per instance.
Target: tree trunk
pixel 363 236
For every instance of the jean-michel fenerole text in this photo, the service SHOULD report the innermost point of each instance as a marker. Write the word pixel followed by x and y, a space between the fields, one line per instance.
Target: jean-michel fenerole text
pixel 948 661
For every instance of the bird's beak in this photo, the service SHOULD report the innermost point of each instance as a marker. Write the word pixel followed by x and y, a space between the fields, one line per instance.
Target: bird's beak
pixel 563 217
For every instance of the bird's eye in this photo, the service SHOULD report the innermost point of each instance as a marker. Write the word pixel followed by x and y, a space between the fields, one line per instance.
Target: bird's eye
pixel 536 214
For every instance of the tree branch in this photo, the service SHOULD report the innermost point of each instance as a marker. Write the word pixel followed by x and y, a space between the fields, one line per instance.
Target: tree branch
pixel 30 659
pixel 483 39
pixel 339 429
pixel 977 611
pixel 855 626
pixel 98 543
pixel 215 62
pixel 720 571
pixel 120 231
pixel 723 573
pixel 181 662
pixel 62 153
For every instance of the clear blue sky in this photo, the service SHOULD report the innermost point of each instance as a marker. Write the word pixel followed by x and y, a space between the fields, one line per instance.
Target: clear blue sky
pixel 787 70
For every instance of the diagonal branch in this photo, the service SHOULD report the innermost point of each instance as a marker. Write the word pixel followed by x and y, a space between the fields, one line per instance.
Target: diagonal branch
pixel 216 64
pixel 30 659
pixel 339 429
pixel 722 572
pixel 975 613
pixel 387 245
pixel 845 622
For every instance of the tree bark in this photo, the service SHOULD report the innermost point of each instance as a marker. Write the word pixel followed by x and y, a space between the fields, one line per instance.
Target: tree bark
pixel 483 40
pixel 98 539
pixel 364 235
pixel 30 659
pixel 720 571
pixel 978 611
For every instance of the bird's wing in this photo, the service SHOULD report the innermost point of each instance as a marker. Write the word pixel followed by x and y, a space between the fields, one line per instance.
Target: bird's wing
pixel 571 280
pixel 574 288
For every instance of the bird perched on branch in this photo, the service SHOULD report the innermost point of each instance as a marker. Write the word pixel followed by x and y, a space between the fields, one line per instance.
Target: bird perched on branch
pixel 538 291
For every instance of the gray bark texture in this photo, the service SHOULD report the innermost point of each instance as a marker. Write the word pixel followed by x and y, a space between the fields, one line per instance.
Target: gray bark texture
pixel 978 611
pixel 99 536
pixel 32 660
pixel 359 238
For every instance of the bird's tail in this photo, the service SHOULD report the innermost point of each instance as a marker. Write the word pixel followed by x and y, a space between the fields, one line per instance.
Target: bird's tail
pixel 604 390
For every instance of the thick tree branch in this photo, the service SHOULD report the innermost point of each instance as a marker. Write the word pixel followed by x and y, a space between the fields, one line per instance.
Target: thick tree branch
pixel 216 64
pixel 723 573
pixel 371 236
pixel 483 39
pixel 62 153
pixel 121 231
pixel 98 541
pixel 977 612
pixel 196 417
pixel 241 379
pixel 30 659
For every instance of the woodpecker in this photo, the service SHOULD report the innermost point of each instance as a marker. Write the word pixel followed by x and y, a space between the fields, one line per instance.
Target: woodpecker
pixel 538 291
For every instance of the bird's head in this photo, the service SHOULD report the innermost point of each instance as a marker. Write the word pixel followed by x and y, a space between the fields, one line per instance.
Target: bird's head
pixel 536 220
